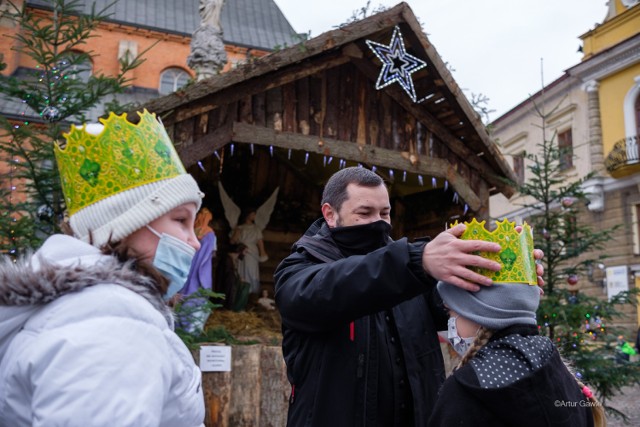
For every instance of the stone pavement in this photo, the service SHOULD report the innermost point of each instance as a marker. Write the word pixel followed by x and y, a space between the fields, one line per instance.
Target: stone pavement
pixel 627 401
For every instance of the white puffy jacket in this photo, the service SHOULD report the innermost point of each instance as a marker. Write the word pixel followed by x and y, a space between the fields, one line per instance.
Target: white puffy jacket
pixel 86 341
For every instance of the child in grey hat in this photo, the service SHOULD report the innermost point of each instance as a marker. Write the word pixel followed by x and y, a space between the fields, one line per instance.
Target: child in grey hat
pixel 508 374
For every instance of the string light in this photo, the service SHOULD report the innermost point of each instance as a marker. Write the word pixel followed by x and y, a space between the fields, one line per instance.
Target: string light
pixel 200 166
pixel 397 64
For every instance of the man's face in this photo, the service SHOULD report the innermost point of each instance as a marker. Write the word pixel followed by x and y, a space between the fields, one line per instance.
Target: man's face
pixel 364 205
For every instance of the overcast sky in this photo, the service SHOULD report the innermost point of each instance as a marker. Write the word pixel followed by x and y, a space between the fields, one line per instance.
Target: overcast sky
pixel 495 47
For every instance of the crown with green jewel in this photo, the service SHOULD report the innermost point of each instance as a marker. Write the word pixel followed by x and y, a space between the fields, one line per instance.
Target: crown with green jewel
pixel 124 155
pixel 515 256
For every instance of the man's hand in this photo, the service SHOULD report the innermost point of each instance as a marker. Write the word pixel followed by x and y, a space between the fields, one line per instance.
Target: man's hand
pixel 538 255
pixel 447 258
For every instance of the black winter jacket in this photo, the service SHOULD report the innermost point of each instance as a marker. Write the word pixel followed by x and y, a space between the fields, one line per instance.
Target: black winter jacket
pixel 518 379
pixel 329 305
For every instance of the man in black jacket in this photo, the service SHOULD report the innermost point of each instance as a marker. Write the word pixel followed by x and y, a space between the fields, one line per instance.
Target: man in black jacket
pixel 360 311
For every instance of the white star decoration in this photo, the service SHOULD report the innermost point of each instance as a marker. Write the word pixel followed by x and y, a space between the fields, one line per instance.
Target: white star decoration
pixel 397 64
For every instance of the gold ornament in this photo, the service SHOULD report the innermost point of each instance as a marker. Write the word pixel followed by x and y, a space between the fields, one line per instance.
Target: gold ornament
pixel 123 156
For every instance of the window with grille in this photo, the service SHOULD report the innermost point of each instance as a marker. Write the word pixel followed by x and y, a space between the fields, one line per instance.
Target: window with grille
pixel 518 167
pixel 565 145
pixel 637 115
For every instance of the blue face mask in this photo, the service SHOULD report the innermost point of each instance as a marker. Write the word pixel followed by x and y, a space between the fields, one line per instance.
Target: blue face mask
pixel 173 259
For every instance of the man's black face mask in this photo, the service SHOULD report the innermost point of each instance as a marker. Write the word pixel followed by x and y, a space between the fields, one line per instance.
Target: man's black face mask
pixel 361 239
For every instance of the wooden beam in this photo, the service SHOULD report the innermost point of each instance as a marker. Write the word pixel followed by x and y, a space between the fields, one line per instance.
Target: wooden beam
pixel 205 146
pixel 250 134
pixel 472 116
pixel 220 91
pixel 434 125
pixel 278 61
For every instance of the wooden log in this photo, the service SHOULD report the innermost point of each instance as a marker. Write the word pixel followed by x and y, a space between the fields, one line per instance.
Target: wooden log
pixel 484 170
pixel 277 65
pixel 289 107
pixel 255 392
pixel 234 86
pixel 274 388
pixel 350 151
pixel 246 109
pixel 244 408
pixel 315 104
pixel 205 146
pixel 183 133
pixel 202 127
pixel 361 136
pixel 259 109
pixel 273 108
pixel 216 387
pixel 303 105
pixel 345 103
pixel 373 114
pixel 332 95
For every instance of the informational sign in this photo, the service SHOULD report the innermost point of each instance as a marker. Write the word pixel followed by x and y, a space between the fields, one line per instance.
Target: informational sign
pixel 215 358
pixel 617 280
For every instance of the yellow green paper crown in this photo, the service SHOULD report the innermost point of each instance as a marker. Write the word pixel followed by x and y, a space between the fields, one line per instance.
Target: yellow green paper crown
pixel 515 256
pixel 123 156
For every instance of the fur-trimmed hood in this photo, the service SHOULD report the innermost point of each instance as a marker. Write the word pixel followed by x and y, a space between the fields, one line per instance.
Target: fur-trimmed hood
pixel 63 265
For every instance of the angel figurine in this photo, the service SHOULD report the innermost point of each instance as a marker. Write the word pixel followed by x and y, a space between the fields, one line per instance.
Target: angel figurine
pixel 249 232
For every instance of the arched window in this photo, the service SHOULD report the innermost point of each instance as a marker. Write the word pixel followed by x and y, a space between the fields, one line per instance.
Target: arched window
pixel 632 110
pixel 172 79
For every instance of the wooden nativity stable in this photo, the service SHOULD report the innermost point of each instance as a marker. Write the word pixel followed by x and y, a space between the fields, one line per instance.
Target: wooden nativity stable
pixel 373 93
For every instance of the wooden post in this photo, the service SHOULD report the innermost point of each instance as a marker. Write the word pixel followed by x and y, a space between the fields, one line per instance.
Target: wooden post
pixel 254 393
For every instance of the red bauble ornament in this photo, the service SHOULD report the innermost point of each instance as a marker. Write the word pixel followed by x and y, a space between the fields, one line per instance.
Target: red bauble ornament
pixel 572 279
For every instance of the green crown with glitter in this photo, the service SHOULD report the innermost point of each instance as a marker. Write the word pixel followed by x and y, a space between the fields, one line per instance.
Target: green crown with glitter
pixel 516 253
pixel 123 156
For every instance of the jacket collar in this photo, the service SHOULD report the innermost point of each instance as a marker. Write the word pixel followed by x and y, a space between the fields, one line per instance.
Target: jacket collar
pixel 64 265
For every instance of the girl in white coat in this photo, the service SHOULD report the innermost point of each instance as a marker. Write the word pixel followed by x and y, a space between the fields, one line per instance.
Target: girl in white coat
pixel 86 336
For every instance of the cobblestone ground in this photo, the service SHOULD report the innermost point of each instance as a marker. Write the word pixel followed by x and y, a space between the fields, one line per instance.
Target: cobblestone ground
pixel 627 401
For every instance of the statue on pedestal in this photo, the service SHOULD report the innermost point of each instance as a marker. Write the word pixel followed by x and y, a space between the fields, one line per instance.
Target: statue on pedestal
pixel 208 55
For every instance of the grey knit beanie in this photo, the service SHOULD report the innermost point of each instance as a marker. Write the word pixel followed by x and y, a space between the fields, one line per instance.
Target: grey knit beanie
pixel 494 307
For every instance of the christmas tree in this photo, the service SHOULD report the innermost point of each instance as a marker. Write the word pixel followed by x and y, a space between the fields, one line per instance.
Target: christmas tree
pixel 60 90
pixel 580 325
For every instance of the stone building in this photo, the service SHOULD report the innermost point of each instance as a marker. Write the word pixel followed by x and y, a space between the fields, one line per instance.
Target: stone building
pixel 594 111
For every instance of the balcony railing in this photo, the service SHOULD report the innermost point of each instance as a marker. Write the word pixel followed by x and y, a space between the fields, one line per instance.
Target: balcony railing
pixel 624 158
